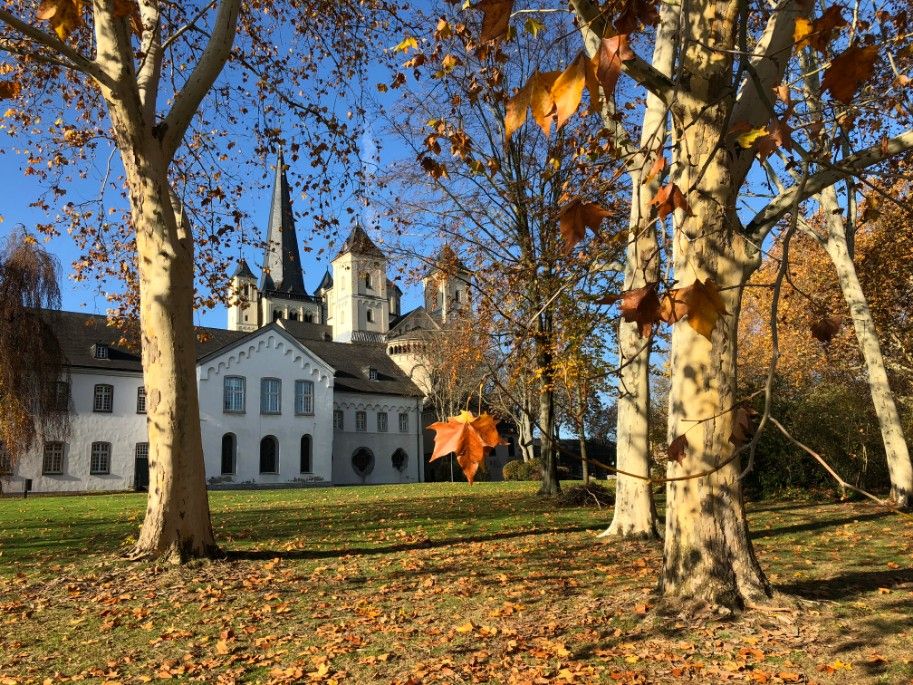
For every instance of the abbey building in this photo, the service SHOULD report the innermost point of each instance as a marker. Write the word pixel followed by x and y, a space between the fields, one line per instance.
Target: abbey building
pixel 323 386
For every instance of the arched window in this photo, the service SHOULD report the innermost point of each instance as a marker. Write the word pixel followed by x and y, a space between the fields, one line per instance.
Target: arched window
pixel 400 459
pixel 293 316
pixel 306 465
pixel 269 455
pixel 368 283
pixel 370 315
pixel 276 315
pixel 229 450
pixel 309 317
pixel 363 461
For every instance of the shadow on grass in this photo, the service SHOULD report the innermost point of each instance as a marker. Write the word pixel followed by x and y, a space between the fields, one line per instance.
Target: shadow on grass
pixel 255 554
pixel 848 585
pixel 819 525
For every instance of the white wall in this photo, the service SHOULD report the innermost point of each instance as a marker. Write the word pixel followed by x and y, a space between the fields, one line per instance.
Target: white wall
pixel 382 445
pixel 271 354
pixel 123 428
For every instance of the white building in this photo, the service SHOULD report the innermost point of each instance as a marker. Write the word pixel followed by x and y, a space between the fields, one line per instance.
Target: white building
pixel 300 389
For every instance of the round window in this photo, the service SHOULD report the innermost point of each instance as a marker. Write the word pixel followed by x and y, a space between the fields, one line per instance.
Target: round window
pixel 363 461
pixel 399 459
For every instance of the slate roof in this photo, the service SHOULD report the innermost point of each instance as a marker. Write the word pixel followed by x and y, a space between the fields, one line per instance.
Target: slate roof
pixel 326 282
pixel 282 272
pixel 416 320
pixel 448 262
pixel 79 333
pixel 359 243
pixel 243 270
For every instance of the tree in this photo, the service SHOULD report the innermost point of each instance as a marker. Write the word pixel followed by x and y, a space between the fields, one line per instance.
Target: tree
pixel 34 391
pixel 136 75
pixel 729 106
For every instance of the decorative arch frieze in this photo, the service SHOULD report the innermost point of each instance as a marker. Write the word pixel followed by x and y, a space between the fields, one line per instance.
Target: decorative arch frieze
pixel 273 341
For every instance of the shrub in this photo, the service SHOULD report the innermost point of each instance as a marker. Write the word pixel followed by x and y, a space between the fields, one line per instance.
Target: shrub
pixel 591 495
pixel 522 470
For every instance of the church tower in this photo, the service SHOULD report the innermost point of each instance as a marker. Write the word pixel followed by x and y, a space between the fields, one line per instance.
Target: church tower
pixel 243 312
pixel 447 287
pixel 358 307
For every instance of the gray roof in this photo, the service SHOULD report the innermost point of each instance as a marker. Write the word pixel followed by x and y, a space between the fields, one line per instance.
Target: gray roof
pixel 79 333
pixel 326 282
pixel 359 243
pixel 243 270
pixel 282 270
pixel 416 320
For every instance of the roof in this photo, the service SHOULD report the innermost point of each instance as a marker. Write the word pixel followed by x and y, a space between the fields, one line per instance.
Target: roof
pixel 78 334
pixel 392 286
pixel 243 270
pixel 448 262
pixel 358 242
pixel 282 270
pixel 326 283
pixel 416 320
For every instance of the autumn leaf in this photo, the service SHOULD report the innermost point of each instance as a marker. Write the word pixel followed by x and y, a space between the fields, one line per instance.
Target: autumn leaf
pixel 743 428
pixel 668 199
pixel 9 90
pixel 567 90
pixel 63 15
pixel 700 303
pixel 406 44
pixel 576 217
pixel 535 95
pixel 825 329
pixel 612 52
pixel 470 437
pixel 748 138
pixel 496 18
pixel 129 8
pixel 659 164
pixel 818 33
pixel 640 306
pixel 677 450
pixel 849 70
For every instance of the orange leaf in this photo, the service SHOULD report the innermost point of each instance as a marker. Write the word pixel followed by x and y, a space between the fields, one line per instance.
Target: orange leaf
pixel 677 450
pixel 63 15
pixel 515 116
pixel 849 70
pixel 541 101
pixel 742 425
pixel 567 90
pixel 818 33
pixel 668 199
pixel 9 90
pixel 576 218
pixel 641 306
pixel 699 302
pixel 496 19
pixel 612 52
pixel 659 164
pixel 470 437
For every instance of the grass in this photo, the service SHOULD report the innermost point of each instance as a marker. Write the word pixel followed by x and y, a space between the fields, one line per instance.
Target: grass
pixel 437 583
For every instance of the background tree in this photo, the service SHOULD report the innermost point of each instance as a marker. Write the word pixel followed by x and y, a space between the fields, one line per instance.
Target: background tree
pixel 132 77
pixel 34 388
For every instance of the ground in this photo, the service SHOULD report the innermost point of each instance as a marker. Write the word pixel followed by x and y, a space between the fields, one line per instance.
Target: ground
pixel 437 583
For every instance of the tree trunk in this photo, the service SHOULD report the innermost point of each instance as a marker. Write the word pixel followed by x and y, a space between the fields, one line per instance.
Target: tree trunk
pixel 895 445
pixel 584 458
pixel 551 485
pixel 177 523
pixel 527 447
pixel 708 558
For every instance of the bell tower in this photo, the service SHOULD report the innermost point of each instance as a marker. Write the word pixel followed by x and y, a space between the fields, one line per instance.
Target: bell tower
pixel 360 308
pixel 243 312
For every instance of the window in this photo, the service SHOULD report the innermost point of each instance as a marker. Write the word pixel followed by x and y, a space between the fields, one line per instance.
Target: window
pixel 338 421
pixel 53 459
pixel 363 461
pixel 142 450
pixel 100 464
pixel 6 465
pixel 361 421
pixel 309 317
pixel 233 396
pixel 370 315
pixel 293 316
pixel 306 466
pixel 399 459
pixel 304 397
pixel 61 396
pixel 381 422
pixel 277 315
pixel 141 399
pixel 457 296
pixel 100 351
pixel 403 422
pixel 511 446
pixel 368 282
pixel 269 455
pixel 372 374
pixel 229 449
pixel 104 399
pixel 270 396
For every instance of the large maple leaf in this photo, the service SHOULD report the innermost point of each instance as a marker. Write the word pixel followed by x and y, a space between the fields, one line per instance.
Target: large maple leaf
pixel 469 436
pixel 576 217
pixel 700 302
pixel 63 15
pixel 849 70
pixel 496 18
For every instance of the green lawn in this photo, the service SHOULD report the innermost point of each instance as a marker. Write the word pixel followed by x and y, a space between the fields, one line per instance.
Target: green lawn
pixel 437 583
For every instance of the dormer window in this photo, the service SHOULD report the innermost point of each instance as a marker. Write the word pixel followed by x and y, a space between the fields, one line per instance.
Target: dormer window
pixel 100 351
pixel 372 374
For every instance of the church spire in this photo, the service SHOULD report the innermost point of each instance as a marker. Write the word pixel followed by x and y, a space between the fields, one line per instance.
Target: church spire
pixel 281 259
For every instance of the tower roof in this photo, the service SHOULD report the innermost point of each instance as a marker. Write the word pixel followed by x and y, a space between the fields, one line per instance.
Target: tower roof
pixel 326 282
pixel 448 262
pixel 282 270
pixel 359 243
pixel 243 270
